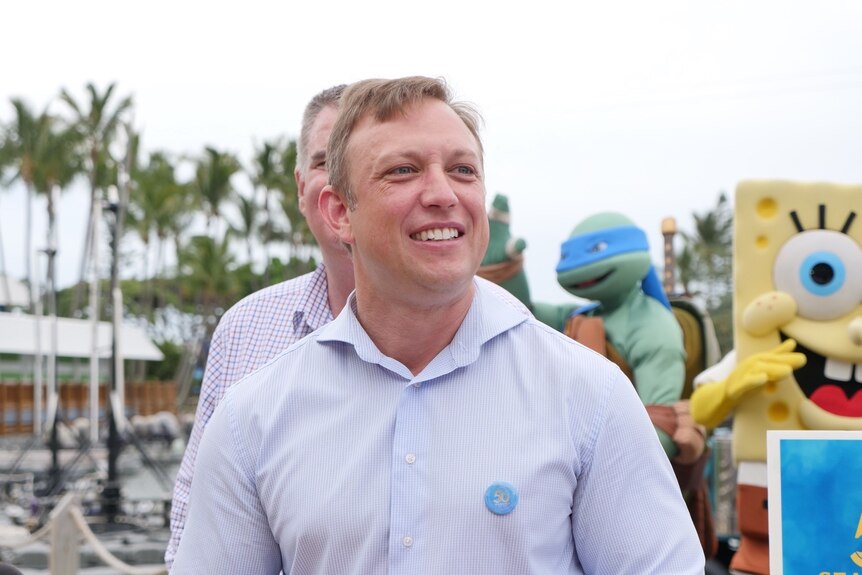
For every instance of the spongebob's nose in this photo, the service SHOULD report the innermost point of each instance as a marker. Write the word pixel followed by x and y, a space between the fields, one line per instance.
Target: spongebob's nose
pixel 854 330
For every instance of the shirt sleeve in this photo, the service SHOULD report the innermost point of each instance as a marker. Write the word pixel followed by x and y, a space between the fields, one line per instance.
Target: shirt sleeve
pixel 226 530
pixel 628 516
pixel 213 388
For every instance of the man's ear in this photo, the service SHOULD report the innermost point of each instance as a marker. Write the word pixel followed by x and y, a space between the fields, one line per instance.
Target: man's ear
pixel 336 214
pixel 300 192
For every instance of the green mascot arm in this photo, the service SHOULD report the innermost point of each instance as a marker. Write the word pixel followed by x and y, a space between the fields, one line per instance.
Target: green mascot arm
pixel 503 264
pixel 657 360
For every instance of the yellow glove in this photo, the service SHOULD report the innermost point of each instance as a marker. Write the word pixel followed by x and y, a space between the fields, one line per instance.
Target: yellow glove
pixel 712 402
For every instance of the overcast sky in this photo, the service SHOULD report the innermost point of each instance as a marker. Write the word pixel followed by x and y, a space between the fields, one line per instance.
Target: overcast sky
pixel 647 108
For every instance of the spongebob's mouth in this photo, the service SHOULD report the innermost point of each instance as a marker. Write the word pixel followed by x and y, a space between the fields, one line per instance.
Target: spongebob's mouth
pixel 831 384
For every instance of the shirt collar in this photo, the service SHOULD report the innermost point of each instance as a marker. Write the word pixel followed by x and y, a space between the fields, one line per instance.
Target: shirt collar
pixel 312 309
pixel 488 317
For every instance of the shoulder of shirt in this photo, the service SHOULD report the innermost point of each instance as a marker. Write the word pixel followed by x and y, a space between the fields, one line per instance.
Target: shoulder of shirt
pixel 552 341
pixel 503 295
pixel 288 289
pixel 271 367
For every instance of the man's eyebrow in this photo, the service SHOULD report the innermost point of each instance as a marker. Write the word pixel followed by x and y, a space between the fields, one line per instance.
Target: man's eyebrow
pixel 317 157
pixel 460 154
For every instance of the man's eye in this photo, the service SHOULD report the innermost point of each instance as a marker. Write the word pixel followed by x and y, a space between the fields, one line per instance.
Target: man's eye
pixel 402 170
pixel 465 170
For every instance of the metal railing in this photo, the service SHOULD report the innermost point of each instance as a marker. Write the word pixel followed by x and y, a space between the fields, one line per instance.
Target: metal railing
pixel 65 528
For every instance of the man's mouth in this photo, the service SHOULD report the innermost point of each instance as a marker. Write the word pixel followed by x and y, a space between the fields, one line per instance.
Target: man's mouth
pixel 831 384
pixel 436 234
pixel 591 282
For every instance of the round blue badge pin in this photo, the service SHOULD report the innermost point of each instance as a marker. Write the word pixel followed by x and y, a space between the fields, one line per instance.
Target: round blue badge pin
pixel 501 497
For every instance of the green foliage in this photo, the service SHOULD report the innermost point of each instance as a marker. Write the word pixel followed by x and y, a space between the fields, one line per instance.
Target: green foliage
pixel 93 136
pixel 705 266
pixel 166 369
pixel 212 180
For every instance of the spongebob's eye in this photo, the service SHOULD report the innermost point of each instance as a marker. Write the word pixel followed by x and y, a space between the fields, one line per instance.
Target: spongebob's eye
pixel 822 270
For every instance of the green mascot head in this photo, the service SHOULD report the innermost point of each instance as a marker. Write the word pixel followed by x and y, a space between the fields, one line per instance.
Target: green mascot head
pixel 605 258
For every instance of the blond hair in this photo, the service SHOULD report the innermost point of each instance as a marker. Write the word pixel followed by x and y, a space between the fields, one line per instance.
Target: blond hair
pixel 383 99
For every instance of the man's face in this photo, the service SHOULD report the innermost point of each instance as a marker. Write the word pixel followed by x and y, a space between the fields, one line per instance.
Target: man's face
pixel 313 178
pixel 419 228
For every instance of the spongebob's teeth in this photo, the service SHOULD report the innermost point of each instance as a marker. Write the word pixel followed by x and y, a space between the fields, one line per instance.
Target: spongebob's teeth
pixel 858 373
pixel 838 370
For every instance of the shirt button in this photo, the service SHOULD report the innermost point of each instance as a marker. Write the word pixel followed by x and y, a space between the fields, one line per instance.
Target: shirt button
pixel 407 541
pixel 417 384
pixel 411 458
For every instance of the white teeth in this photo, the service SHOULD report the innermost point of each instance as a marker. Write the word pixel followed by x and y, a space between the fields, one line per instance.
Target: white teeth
pixel 842 370
pixel 838 370
pixel 436 234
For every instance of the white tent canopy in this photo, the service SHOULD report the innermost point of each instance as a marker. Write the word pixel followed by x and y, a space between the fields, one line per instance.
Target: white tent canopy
pixel 74 338
pixel 17 296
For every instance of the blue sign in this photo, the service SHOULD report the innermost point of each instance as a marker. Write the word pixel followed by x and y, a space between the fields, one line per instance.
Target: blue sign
pixel 815 503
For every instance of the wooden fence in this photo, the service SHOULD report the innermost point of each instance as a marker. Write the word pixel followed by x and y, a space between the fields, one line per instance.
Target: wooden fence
pixel 142 398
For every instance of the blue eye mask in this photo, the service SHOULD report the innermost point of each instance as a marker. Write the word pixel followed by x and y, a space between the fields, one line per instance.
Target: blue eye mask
pixel 584 249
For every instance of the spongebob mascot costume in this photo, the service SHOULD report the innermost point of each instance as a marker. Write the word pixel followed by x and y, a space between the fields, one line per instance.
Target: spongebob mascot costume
pixel 797 260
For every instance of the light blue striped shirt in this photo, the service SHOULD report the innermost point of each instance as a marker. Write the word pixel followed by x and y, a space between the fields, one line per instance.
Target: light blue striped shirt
pixel 352 465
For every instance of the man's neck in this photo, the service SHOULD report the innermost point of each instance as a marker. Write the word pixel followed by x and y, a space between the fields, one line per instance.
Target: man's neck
pixel 339 279
pixel 410 333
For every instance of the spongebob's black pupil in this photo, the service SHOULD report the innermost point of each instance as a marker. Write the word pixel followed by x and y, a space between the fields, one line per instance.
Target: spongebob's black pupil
pixel 822 273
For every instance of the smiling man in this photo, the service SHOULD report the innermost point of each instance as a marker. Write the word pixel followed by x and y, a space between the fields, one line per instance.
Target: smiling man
pixel 432 427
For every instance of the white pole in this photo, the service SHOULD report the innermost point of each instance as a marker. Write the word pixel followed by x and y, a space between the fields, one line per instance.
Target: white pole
pixel 52 350
pixel 37 357
pixel 65 557
pixel 118 355
pixel 94 318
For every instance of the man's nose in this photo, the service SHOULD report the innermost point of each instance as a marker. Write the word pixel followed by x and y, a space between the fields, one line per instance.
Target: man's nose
pixel 437 189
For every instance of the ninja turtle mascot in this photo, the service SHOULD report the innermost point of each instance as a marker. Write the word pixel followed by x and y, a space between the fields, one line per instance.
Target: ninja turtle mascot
pixel 606 260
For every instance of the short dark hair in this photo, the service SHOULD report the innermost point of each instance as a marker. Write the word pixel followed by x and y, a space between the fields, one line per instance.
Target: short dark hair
pixel 328 97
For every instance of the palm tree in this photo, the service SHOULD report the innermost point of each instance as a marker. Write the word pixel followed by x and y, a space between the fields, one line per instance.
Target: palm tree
pixel 6 160
pixel 20 148
pixel 157 201
pixel 710 250
pixel 300 234
pixel 268 174
pixel 99 122
pixel 705 265
pixel 55 165
pixel 248 226
pixel 205 269
pixel 206 277
pixel 212 182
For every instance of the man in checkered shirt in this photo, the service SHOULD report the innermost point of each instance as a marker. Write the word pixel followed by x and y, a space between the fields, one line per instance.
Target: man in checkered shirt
pixel 267 322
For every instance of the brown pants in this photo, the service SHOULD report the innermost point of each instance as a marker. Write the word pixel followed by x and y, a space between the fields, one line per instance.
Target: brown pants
pixel 753 520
